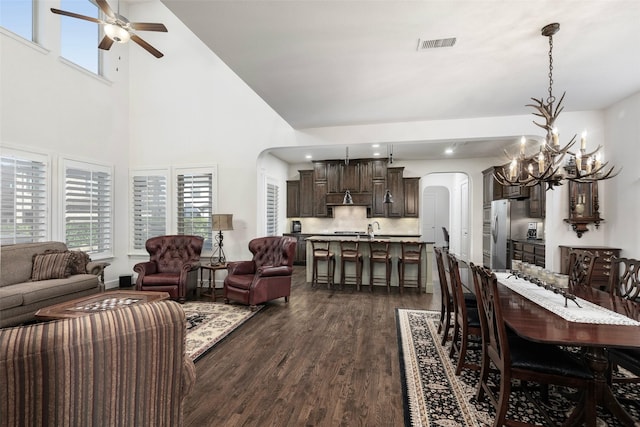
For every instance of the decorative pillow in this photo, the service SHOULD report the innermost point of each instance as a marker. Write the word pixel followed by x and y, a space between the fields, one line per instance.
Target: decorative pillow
pixel 77 262
pixel 50 266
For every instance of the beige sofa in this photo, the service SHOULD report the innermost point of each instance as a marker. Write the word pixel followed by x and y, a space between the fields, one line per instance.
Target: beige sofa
pixel 124 367
pixel 21 297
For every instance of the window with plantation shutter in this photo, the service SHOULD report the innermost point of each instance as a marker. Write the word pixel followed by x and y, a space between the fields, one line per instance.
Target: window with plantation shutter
pixel 149 208
pixel 87 207
pixel 195 205
pixel 24 200
pixel 272 209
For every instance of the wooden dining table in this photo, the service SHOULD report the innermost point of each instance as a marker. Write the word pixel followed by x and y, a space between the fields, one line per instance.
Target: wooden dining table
pixel 533 322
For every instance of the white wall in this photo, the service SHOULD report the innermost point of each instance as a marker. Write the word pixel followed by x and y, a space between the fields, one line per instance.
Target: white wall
pixel 50 106
pixel 623 192
pixel 188 108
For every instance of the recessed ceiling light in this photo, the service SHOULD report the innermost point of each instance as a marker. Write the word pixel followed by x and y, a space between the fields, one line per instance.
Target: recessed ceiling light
pixel 375 145
pixel 448 151
pixel 376 154
pixel 308 156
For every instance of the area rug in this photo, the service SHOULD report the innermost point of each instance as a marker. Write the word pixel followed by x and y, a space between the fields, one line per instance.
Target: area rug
pixel 435 396
pixel 209 322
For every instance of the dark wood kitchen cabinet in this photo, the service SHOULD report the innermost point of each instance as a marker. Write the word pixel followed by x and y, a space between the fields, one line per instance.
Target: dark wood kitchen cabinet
pixel 333 177
pixel 396 186
pixel 293 199
pixel 300 257
pixel 537 201
pixel 366 180
pixel 319 171
pixel 491 189
pixel 411 197
pixel 306 193
pixel 379 208
pixel 350 177
pixel 320 199
pixel 379 169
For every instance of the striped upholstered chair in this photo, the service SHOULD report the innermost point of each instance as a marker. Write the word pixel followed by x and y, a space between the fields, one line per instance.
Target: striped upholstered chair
pixel 124 367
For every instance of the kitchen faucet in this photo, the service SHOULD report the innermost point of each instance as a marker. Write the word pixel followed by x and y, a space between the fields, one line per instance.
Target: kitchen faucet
pixel 370 229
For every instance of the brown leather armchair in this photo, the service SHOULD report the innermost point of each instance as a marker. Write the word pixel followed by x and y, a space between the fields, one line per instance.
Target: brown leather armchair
pixel 173 266
pixel 266 277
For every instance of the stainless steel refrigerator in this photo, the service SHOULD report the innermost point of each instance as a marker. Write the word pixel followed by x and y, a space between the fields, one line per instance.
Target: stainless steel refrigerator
pixel 500 234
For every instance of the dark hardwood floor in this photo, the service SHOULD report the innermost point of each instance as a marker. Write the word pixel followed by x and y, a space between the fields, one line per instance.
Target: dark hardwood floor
pixel 327 358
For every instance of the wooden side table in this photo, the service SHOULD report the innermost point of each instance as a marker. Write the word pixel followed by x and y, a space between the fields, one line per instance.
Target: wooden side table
pixel 211 269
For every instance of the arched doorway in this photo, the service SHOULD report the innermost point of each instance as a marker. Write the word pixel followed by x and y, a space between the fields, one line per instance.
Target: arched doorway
pixel 445 203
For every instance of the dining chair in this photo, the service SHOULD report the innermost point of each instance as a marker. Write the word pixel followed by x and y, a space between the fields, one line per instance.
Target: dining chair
pixel 446 303
pixel 627 358
pixel 581 267
pixel 626 284
pixel 466 323
pixel 518 358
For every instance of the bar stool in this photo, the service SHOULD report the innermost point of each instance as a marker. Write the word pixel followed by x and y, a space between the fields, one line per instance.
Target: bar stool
pixel 321 253
pixel 349 252
pixel 411 254
pixel 379 254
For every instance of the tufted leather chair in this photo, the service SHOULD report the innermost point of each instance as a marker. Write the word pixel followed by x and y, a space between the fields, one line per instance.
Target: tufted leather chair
pixel 173 265
pixel 267 276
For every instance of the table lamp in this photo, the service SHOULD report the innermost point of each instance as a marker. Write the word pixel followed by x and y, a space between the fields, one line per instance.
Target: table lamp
pixel 221 222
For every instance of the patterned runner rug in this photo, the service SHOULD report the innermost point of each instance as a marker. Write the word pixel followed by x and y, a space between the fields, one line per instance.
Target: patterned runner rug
pixel 210 322
pixel 435 396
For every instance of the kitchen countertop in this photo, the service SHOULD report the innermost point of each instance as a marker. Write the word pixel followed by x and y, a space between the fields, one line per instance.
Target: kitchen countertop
pixel 530 241
pixel 364 238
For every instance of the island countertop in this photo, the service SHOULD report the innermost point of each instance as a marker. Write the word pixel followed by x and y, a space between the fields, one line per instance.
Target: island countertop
pixel 394 249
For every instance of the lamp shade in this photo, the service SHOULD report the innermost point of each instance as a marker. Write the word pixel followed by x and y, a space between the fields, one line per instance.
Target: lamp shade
pixel 222 221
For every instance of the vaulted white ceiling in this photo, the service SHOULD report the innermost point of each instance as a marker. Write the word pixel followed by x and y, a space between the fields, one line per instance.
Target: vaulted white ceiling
pixel 345 62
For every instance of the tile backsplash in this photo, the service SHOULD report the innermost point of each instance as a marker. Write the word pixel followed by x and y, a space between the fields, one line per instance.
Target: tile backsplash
pixel 354 218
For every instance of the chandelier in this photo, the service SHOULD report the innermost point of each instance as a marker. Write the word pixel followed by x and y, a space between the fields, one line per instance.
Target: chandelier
pixel 548 165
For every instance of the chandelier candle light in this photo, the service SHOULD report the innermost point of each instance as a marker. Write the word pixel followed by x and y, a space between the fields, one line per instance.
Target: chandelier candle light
pixel 547 166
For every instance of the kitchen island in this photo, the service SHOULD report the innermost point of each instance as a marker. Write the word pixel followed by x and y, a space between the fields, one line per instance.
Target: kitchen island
pixel 395 252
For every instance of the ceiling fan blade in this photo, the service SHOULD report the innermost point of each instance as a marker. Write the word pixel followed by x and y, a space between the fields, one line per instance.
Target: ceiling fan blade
pixel 152 50
pixel 106 9
pixel 75 15
pixel 106 43
pixel 148 26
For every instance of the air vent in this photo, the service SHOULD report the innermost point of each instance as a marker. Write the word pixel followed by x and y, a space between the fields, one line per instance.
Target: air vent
pixel 435 43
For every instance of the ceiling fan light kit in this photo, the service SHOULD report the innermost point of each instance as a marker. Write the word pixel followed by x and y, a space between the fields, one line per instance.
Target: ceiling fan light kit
pixel 117 33
pixel 117 28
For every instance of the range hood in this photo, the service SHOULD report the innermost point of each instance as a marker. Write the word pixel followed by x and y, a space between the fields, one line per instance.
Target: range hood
pixel 359 199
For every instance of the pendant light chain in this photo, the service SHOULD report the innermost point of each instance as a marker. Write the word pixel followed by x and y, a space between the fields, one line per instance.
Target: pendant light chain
pixel 551 99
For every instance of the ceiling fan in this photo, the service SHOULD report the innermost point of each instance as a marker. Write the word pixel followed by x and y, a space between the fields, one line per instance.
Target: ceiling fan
pixel 117 28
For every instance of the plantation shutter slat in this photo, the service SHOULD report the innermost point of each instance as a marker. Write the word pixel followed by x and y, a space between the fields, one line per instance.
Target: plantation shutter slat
pixel 195 205
pixel 23 200
pixel 88 209
pixel 272 209
pixel 149 208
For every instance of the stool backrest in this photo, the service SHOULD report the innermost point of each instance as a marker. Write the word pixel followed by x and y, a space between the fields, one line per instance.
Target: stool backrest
pixel 412 250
